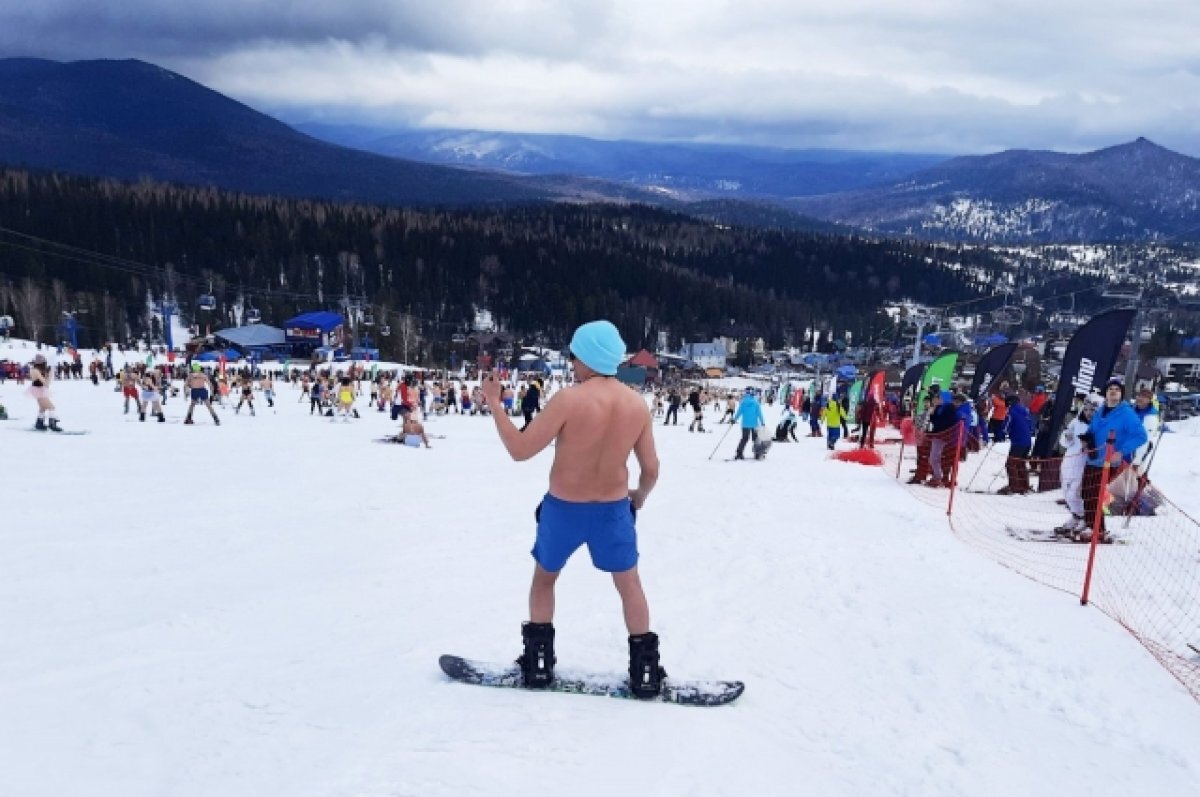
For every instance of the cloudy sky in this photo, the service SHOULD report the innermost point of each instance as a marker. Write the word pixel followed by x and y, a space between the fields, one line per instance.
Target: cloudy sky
pixel 919 75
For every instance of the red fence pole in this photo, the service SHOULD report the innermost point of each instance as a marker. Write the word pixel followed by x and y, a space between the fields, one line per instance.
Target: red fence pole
pixel 954 471
pixel 1098 520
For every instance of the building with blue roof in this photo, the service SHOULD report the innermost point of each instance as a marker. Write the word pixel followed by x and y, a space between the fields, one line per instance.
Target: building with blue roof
pixel 309 331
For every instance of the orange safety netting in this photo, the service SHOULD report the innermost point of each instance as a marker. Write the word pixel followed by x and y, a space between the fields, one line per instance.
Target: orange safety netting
pixel 1146 576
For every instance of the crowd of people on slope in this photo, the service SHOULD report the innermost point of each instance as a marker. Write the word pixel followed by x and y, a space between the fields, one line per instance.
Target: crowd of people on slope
pixel 745 407
pixel 145 389
pixel 954 426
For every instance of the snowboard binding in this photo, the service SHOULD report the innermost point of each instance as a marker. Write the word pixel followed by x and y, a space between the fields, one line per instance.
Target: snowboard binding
pixel 645 676
pixel 537 662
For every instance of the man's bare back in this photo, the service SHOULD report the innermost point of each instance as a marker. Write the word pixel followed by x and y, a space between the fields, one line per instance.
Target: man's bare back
pixel 603 423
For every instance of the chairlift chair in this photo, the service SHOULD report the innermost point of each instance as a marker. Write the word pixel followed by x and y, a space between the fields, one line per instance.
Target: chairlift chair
pixel 253 316
pixel 207 302
pixel 6 322
pixel 385 330
pixel 1122 291
pixel 368 319
pixel 1008 316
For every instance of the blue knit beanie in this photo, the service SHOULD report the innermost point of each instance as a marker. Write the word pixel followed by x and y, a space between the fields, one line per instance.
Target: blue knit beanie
pixel 598 345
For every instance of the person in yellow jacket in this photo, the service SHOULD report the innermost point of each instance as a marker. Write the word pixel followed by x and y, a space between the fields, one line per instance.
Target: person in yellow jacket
pixel 834 417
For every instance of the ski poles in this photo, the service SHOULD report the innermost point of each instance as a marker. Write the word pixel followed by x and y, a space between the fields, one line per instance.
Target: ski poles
pixel 1144 478
pixel 982 460
pixel 722 440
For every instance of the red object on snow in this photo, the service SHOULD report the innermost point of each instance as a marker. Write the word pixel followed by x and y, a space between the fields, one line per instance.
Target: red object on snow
pixel 863 456
pixel 908 432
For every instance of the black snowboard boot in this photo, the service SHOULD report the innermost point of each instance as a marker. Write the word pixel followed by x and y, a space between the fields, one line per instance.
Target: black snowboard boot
pixel 40 425
pixel 54 427
pixel 645 676
pixel 537 662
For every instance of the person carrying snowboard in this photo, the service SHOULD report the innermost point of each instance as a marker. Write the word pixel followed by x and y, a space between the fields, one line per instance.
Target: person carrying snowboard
pixel 750 413
pixel 594 426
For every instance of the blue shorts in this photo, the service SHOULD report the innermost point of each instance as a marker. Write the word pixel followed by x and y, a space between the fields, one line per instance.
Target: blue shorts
pixel 199 394
pixel 608 528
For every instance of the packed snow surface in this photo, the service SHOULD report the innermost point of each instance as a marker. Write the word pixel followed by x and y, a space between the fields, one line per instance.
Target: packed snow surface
pixel 258 609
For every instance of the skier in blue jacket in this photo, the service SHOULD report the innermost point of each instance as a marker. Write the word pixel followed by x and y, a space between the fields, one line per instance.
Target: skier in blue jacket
pixel 750 413
pixel 1118 417
pixel 1019 428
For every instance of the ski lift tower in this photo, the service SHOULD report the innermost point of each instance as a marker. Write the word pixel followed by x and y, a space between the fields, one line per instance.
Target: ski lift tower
pixel 69 329
pixel 1127 291
pixel 167 309
pixel 922 319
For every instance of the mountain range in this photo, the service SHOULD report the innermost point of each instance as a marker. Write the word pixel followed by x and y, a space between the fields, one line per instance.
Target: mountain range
pixel 133 120
pixel 684 170
pixel 130 119
pixel 1131 192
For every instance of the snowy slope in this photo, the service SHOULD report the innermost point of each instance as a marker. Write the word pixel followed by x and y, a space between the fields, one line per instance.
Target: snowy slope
pixel 257 609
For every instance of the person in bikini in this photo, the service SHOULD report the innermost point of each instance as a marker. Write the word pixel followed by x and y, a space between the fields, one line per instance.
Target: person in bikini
pixel 152 397
pixel 247 388
pixel 39 388
pixel 345 397
pixel 129 390
pixel 594 425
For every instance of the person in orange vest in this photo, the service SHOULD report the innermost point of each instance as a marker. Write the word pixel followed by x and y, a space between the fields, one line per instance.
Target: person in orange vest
pixel 1038 400
pixel 996 423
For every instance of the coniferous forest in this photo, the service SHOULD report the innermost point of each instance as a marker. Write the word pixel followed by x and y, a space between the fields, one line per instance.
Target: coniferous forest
pixel 109 251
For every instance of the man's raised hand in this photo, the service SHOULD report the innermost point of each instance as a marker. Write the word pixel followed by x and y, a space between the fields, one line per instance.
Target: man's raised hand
pixel 491 388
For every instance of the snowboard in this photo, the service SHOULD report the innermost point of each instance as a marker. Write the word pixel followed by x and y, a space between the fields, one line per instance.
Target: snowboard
pixel 392 439
pixel 684 693
pixel 761 448
pixel 1047 535
pixel 48 433
pixel 1037 535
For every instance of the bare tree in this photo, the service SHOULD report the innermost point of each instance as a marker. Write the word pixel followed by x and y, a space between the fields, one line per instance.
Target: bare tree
pixel 59 291
pixel 408 334
pixel 30 303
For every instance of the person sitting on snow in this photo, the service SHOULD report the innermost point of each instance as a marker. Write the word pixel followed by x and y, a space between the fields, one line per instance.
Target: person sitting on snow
pixel 786 427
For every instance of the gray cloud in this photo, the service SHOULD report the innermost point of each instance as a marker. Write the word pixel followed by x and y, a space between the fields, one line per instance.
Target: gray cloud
pixel 935 76
pixel 72 29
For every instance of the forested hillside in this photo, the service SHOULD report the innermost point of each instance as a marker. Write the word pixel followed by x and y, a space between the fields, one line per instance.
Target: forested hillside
pixel 540 269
